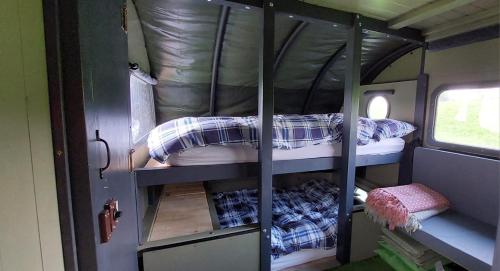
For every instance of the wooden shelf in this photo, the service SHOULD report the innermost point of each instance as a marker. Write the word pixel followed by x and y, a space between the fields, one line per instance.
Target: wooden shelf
pixel 183 210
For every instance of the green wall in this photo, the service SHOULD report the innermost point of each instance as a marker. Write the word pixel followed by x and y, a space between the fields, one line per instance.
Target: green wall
pixel 29 224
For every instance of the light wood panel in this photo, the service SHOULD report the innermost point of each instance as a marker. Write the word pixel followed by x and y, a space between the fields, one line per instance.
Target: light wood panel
pixel 463 25
pixel 32 35
pixel 384 10
pixel 461 13
pixel 462 21
pixel 416 14
pixel 426 11
pixel 19 240
pixel 183 210
pixel 29 227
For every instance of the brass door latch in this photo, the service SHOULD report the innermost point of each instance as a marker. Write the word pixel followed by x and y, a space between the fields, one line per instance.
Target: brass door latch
pixel 108 219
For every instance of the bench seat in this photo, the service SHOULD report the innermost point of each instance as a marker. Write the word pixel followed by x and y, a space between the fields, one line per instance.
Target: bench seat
pixel 462 239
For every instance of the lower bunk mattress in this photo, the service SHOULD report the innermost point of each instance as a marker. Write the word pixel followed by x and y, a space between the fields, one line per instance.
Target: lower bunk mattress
pixel 227 154
pixel 303 217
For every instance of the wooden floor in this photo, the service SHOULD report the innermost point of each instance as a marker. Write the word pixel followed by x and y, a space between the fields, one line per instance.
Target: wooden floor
pixel 183 210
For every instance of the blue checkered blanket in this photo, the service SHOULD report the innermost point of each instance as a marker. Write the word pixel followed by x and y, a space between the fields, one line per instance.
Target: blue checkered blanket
pixel 289 132
pixel 303 217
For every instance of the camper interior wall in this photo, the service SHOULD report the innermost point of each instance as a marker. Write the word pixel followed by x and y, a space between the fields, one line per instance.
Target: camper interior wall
pixel 400 75
pixel 474 62
pixel 401 107
pixel 29 224
pixel 477 62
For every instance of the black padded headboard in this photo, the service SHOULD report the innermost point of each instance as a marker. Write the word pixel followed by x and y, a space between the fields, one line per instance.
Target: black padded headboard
pixel 469 182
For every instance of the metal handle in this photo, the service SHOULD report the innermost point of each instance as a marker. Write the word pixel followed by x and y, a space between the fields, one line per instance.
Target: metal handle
pixel 108 157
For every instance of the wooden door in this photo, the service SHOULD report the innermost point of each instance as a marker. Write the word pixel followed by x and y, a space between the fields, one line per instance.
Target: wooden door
pixel 104 44
pixel 91 46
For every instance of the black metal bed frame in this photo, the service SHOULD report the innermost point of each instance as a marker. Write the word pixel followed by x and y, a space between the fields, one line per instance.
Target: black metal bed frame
pixel 147 176
pixel 268 64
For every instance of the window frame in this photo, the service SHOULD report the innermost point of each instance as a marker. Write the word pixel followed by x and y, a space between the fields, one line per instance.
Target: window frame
pixel 371 94
pixel 370 100
pixel 431 140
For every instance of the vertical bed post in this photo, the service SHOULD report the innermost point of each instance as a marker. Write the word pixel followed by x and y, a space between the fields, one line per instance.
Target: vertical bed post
pixel 421 97
pixel 406 164
pixel 349 140
pixel 266 110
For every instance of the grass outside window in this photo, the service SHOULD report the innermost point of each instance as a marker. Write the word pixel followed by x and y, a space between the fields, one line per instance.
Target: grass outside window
pixel 469 117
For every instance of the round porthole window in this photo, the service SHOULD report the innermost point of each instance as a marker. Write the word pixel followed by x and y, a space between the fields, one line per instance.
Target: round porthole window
pixel 378 108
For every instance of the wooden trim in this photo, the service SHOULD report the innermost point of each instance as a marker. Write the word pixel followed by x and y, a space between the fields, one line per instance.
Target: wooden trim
pixel 478 35
pixel 460 21
pixel 482 23
pixel 53 51
pixel 426 11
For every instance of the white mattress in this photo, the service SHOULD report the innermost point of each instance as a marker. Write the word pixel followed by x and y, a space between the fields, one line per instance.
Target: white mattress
pixel 301 257
pixel 215 154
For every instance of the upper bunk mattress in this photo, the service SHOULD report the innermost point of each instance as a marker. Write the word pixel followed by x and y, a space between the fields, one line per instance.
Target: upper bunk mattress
pixel 227 154
pixel 292 135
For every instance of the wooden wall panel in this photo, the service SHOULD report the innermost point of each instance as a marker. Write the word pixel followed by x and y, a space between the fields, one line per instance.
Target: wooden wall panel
pixel 477 62
pixel 405 68
pixel 29 226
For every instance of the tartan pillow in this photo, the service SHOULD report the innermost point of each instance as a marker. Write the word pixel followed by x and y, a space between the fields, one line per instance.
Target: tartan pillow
pixel 366 128
pixel 389 128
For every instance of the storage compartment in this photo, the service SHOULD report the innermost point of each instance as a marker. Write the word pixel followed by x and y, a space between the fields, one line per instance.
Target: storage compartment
pixel 182 210
pixel 190 213
pixel 236 249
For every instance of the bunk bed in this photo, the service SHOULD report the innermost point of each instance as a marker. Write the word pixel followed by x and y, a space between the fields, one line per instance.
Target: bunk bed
pixel 195 149
pixel 304 228
pixel 263 163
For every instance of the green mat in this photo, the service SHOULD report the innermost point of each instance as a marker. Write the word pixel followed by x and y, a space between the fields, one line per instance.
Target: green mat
pixel 371 264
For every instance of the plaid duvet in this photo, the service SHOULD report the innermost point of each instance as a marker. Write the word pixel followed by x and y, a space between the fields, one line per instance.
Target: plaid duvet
pixel 289 132
pixel 303 217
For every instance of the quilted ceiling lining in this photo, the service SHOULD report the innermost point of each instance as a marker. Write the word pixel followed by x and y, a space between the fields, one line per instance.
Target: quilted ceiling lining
pixel 180 39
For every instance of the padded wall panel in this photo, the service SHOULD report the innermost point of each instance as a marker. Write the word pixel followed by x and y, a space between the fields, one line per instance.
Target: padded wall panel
pixel 469 182
pixel 282 28
pixel 236 100
pixel 236 92
pixel 137 52
pixel 327 101
pixel 180 38
pixel 374 47
pixel 305 58
pixel 289 101
pixel 175 100
pixel 239 61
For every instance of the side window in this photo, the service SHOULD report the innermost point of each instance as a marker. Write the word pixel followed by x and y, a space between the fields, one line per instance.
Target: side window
pixel 467 118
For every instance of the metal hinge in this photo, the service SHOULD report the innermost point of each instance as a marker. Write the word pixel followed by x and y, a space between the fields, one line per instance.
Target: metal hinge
pixel 124 14
pixel 131 160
